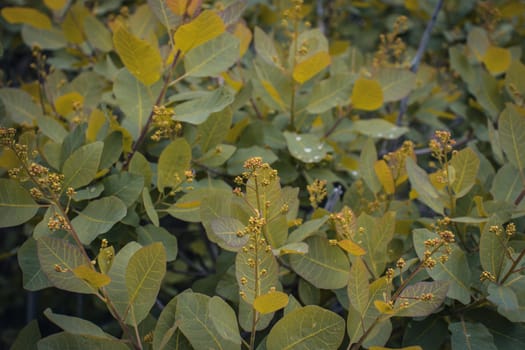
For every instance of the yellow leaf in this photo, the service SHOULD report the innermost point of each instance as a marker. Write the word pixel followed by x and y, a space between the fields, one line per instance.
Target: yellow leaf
pixel 26 15
pixel 383 307
pixel 351 247
pixel 73 24
pixel 306 69
pixel 205 27
pixel 243 33
pixel 270 302
pixel 338 47
pixel 436 179
pixel 412 5
pixel 367 94
pixel 97 119
pixel 142 59
pixel 497 59
pixel 413 194
pixel 235 84
pixel 55 4
pixel 65 104
pixel 177 6
pixel 384 174
pixel 273 92
pixel 8 159
pixel 188 205
pixel 94 278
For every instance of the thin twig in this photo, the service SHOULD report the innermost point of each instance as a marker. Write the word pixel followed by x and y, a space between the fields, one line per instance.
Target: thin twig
pixel 414 65
pixel 145 128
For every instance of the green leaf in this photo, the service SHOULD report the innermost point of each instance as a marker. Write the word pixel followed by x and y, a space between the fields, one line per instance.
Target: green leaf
pixel 215 129
pixel 16 204
pixel 377 234
pixel 52 128
pixel 164 14
pixel 309 228
pixel 330 93
pixel 19 106
pixel 379 128
pixel 46 39
pixel 396 83
pixel 125 186
pixel 507 184
pixel 507 301
pixel 367 160
pixel 420 182
pixel 208 323
pixel 135 99
pixel 139 165
pixel 33 276
pixel 116 289
pixel 66 340
pixel 76 325
pixel 491 247
pixel 455 270
pixel 141 58
pixel 197 111
pixel 81 167
pixel 173 162
pixel 58 259
pixel 28 337
pixel 265 47
pixel 248 264
pixel 227 229
pixel 325 266
pixel 224 319
pixel 467 335
pixel 148 206
pixel 188 206
pixel 217 156
pixel 213 57
pixel 359 323
pixel 417 307
pixel 235 163
pixel 308 148
pixel 511 126
pixel 318 329
pixel 276 228
pixel 144 276
pixel 97 34
pixel 149 234
pixel 358 289
pixel 167 334
pixel 466 166
pixel 98 217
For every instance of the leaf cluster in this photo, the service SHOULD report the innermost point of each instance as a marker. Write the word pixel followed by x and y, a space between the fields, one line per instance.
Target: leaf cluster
pixel 263 175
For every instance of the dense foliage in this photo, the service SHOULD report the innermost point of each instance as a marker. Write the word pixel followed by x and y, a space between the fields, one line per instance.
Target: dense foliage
pixel 262 174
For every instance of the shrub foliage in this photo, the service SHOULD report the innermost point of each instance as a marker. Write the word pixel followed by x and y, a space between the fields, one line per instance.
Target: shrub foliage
pixel 264 174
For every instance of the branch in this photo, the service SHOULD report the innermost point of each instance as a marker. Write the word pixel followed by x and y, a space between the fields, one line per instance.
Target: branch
pixel 144 130
pixel 414 65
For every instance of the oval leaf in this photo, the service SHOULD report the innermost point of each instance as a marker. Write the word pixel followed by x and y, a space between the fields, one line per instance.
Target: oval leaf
pixel 367 94
pixel 98 217
pixel 270 302
pixel 318 328
pixel 141 58
pixel 144 276
pixel 16 204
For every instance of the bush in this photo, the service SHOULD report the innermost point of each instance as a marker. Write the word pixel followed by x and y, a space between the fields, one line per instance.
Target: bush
pixel 263 175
